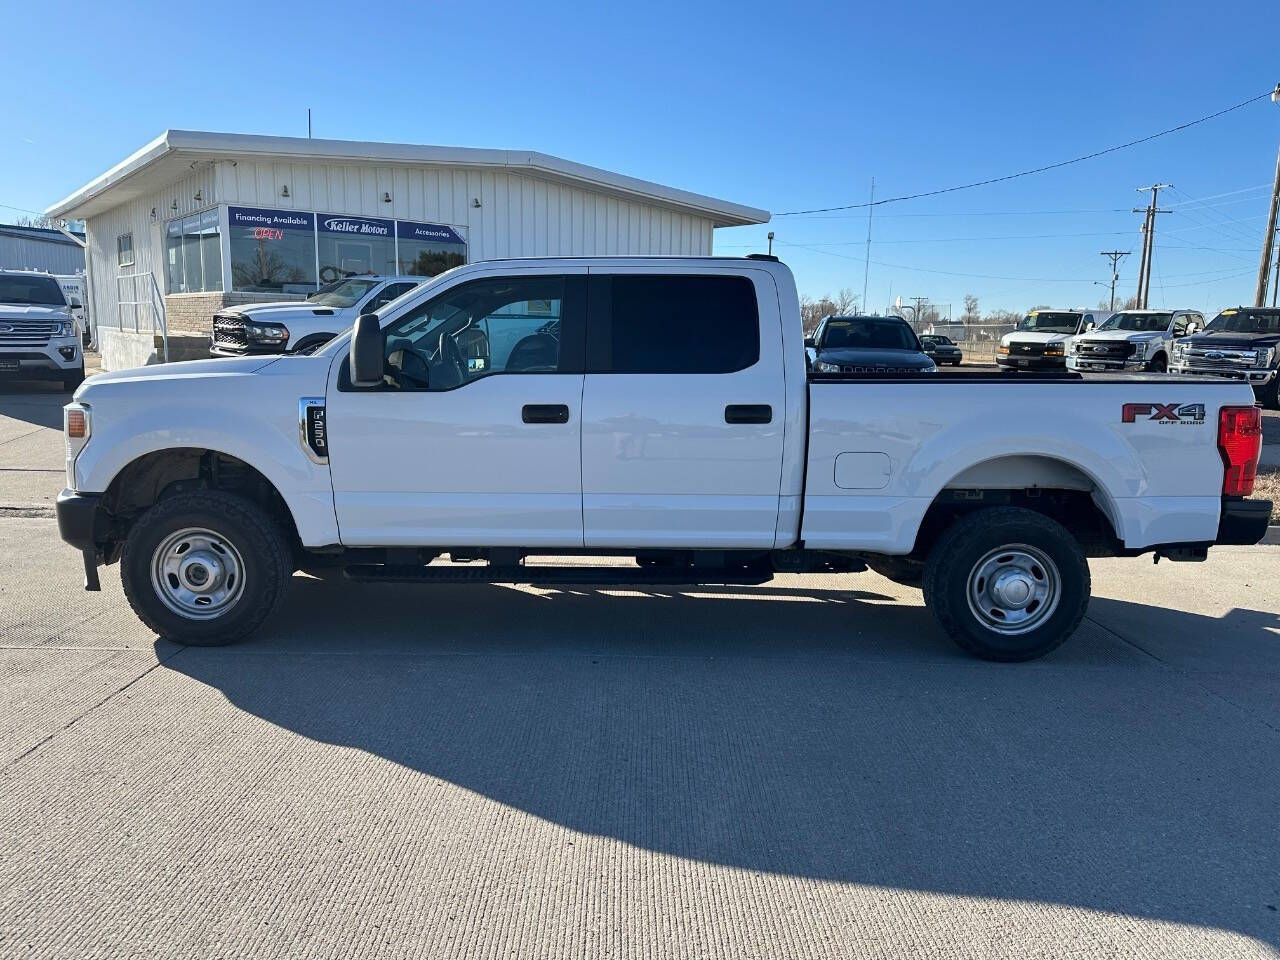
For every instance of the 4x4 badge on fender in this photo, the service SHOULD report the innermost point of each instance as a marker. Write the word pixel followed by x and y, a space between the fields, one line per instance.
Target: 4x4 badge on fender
pixel 1163 412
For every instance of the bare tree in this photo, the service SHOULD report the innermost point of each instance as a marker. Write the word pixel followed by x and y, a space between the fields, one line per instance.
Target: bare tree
pixel 40 220
pixel 813 309
pixel 971 314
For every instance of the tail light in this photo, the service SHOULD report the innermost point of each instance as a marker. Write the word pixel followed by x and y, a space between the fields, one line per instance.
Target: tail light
pixel 1240 443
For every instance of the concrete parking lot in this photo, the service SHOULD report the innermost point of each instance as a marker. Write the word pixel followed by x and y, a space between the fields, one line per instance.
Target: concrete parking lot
pixel 805 769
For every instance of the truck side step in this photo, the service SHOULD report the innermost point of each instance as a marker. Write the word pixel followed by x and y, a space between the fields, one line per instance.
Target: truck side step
pixel 391 573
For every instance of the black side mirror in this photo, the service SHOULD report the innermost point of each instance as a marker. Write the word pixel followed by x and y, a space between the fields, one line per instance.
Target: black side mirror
pixel 810 342
pixel 367 351
pixel 75 303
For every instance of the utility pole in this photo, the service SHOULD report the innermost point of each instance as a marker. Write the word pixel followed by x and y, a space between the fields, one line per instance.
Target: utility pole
pixel 919 302
pixel 1269 238
pixel 866 264
pixel 1114 256
pixel 1148 240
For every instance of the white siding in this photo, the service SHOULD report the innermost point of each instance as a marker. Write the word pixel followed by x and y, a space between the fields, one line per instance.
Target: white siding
pixel 519 216
pixel 148 244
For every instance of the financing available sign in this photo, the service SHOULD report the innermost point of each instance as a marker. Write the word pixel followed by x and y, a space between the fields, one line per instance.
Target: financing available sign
pixel 270 220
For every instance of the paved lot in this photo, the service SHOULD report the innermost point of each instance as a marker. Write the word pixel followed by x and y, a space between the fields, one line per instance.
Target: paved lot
pixel 807 769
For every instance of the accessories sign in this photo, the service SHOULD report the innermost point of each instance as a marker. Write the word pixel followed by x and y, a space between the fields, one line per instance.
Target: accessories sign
pixel 427 232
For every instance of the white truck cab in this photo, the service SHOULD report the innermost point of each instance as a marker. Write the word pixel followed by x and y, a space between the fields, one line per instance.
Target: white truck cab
pixel 1040 340
pixel 293 326
pixel 39 339
pixel 1135 340
pixel 654 409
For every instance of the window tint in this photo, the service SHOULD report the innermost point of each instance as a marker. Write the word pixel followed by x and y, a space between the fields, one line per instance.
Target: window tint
pixel 389 293
pixel 510 325
pixel 28 289
pixel 672 324
pixel 124 249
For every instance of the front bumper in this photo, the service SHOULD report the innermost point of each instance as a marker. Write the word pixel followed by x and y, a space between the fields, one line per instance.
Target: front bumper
pixel 1243 522
pixel 56 360
pixel 1081 365
pixel 78 518
pixel 1030 363
pixel 1257 378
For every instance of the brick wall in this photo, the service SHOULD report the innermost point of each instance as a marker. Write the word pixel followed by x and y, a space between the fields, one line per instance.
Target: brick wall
pixel 192 313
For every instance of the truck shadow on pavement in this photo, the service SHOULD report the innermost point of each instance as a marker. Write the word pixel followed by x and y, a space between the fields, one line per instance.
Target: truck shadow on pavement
pixel 831 735
pixel 33 401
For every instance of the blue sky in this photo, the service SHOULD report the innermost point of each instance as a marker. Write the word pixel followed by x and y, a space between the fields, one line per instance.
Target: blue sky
pixel 780 106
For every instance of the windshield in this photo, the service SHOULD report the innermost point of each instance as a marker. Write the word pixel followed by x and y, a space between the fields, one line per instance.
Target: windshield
pixel 1246 321
pixel 935 339
pixel 1045 321
pixel 343 293
pixel 27 289
pixel 869 333
pixel 1136 321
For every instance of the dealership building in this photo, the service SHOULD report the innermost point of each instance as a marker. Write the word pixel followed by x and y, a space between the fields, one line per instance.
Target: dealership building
pixel 194 222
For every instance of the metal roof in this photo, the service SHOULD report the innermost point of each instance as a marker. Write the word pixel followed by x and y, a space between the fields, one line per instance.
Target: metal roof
pixel 171 155
pixel 38 233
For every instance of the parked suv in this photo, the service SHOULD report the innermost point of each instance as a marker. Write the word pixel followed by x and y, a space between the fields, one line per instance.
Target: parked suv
pixel 1040 340
pixel 866 345
pixel 1238 344
pixel 1133 340
pixel 294 326
pixel 38 336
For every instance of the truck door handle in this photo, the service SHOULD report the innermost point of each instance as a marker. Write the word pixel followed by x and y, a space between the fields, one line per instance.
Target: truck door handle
pixel 748 413
pixel 544 413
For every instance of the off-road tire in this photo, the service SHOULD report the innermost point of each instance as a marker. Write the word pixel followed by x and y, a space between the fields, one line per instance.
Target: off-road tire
pixel 258 539
pixel 1269 395
pixel 965 542
pixel 1159 364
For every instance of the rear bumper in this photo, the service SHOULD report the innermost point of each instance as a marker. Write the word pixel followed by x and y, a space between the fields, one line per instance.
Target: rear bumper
pixel 77 522
pixel 1243 522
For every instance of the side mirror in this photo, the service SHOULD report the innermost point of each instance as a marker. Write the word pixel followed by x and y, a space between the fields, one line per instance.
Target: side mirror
pixel 367 351
pixel 1192 328
pixel 75 303
pixel 809 342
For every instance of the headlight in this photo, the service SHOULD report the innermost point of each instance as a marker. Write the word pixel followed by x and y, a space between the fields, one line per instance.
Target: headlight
pixel 63 328
pixel 1053 350
pixel 266 332
pixel 1002 350
pixel 1178 350
pixel 931 368
pixel 1265 356
pixel 823 367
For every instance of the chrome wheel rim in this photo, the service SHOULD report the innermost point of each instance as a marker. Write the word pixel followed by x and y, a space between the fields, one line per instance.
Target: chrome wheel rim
pixel 197 573
pixel 1013 589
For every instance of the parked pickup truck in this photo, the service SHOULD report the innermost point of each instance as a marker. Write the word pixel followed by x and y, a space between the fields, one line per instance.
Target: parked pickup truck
pixel 300 326
pixel 1243 344
pixel 1133 340
pixel 656 410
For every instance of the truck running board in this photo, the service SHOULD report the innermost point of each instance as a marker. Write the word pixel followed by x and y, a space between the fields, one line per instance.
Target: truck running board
pixel 537 575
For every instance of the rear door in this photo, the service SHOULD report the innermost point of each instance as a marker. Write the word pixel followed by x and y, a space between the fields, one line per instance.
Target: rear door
pixel 682 409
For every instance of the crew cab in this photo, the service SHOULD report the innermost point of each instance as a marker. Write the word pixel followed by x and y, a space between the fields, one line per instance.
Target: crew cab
pixel 1242 343
pixel 1040 340
pixel 655 413
pixel 38 335
pixel 1135 340
pixel 299 326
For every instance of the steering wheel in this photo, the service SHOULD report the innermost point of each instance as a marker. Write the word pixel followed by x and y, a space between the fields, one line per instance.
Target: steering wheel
pixel 447 353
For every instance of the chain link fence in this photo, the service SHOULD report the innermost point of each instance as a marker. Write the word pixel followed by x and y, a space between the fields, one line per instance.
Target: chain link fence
pixel 977 341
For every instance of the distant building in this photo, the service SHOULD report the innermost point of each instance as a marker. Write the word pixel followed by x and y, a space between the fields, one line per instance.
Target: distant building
pixel 37 248
pixel 194 222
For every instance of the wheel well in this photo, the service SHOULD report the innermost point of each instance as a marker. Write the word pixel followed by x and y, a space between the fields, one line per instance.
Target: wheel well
pixel 165 473
pixel 1046 485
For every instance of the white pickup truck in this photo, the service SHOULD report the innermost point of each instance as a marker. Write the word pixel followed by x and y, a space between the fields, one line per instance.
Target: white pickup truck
pixel 656 410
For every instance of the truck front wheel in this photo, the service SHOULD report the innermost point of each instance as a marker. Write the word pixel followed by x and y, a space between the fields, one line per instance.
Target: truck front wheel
pixel 1007 583
pixel 204 568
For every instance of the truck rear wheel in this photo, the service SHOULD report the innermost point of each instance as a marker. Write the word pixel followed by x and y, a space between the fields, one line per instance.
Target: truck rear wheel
pixel 204 568
pixel 1007 583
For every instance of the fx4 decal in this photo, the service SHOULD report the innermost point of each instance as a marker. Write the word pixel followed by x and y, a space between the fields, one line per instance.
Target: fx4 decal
pixel 1163 412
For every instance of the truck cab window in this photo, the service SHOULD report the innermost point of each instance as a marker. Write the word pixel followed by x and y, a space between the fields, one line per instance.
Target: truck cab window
pixel 509 325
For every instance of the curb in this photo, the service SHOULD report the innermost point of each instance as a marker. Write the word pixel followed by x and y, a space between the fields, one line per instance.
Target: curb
pixel 1272 536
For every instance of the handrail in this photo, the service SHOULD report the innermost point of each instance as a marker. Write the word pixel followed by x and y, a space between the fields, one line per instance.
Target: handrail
pixel 155 302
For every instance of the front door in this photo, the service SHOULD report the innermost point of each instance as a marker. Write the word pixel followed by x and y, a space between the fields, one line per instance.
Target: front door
pixel 473 439
pixel 683 410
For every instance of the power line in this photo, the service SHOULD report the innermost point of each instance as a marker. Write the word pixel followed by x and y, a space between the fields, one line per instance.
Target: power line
pixel 1027 173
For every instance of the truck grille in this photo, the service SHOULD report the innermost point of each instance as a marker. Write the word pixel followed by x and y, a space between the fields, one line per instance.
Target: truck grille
pixel 228 331
pixel 1205 358
pixel 1104 349
pixel 25 333
pixel 1026 349
pixel 877 368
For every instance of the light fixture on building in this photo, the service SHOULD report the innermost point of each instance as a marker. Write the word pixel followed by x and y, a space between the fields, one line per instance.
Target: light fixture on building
pixel 198 198
pixel 386 198
pixel 284 191
pixel 475 201
pixel 174 205
pixel 153 214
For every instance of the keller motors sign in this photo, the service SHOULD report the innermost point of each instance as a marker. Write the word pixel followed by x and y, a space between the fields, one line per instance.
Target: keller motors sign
pixel 368 227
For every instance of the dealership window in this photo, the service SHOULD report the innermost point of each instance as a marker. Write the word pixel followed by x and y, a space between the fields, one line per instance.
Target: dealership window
pixel 354 246
pixel 272 251
pixel 427 249
pixel 124 250
pixel 193 253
